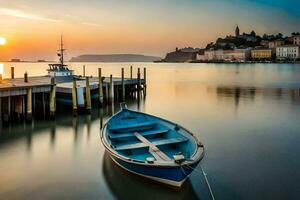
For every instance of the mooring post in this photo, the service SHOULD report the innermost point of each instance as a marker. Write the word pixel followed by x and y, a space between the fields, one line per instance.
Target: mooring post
pixel 139 82
pixel 123 85
pixel 12 70
pixel 111 90
pixel 29 105
pixel 88 95
pixel 26 77
pixel 131 72
pixel 100 86
pixel 74 97
pixel 83 70
pixel 52 99
pixel 145 81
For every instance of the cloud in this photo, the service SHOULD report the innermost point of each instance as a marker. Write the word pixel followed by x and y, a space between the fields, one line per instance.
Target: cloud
pixel 24 15
pixel 75 19
pixel 92 24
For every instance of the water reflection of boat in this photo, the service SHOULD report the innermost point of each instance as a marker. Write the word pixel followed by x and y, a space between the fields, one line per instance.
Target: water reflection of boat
pixel 125 185
pixel 152 147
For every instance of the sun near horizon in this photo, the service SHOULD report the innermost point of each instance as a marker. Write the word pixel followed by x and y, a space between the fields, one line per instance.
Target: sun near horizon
pixel 2 41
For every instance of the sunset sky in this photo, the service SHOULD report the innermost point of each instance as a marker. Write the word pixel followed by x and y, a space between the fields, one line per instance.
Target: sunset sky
pixel 154 27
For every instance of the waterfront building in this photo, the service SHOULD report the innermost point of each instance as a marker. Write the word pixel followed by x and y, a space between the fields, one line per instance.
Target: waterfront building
pixel 201 56
pixel 288 52
pixel 276 43
pixel 262 54
pixel 296 39
pixel 238 55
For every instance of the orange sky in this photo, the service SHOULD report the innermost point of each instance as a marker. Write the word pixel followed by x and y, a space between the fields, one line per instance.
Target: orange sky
pixel 33 28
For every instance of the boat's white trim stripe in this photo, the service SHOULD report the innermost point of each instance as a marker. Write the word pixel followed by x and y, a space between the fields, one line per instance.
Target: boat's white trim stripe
pixel 165 181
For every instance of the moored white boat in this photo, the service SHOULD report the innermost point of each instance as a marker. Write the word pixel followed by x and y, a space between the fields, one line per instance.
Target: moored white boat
pixel 151 147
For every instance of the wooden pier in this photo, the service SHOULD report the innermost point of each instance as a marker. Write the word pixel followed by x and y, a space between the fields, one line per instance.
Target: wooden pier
pixel 21 97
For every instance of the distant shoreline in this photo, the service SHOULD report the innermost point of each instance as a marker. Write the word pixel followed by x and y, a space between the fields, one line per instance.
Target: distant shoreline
pixel 193 62
pixel 224 62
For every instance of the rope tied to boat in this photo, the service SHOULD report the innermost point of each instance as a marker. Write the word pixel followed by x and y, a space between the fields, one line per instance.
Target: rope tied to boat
pixel 205 177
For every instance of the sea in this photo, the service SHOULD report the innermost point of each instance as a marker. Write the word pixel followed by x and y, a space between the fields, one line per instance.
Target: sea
pixel 246 115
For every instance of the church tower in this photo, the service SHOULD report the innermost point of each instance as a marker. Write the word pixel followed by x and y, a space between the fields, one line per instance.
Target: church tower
pixel 237 31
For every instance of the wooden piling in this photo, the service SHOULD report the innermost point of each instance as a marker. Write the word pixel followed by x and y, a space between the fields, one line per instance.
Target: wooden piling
pixel 52 99
pixel 12 70
pixel 29 105
pixel 26 77
pixel 139 82
pixel 74 97
pixel 123 85
pixel 131 72
pixel 100 86
pixel 83 70
pixel 111 90
pixel 88 95
pixel 0 78
pixel 145 81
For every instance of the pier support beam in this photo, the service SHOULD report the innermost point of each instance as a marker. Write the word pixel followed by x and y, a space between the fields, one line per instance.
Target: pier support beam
pixel 100 86
pixel 88 95
pixel 83 69
pixel 145 81
pixel 12 71
pixel 74 97
pixel 123 85
pixel 111 90
pixel 26 77
pixel 29 105
pixel 131 72
pixel 139 82
pixel 52 99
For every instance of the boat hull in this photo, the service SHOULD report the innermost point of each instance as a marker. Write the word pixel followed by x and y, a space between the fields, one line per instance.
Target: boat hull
pixel 173 176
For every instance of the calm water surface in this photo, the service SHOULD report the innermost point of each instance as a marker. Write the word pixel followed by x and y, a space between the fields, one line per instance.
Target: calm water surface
pixel 247 116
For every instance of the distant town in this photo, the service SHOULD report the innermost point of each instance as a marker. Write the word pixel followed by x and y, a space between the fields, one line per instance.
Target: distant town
pixel 245 47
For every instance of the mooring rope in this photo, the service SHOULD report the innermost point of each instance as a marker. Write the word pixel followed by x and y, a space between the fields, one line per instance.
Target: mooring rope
pixel 206 180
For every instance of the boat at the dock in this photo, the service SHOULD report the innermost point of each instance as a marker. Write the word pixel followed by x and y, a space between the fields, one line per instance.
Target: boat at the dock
pixel 151 147
pixel 60 69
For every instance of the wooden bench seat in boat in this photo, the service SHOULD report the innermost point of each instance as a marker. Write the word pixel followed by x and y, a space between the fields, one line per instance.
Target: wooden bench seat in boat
pixel 134 126
pixel 113 136
pixel 153 149
pixel 156 143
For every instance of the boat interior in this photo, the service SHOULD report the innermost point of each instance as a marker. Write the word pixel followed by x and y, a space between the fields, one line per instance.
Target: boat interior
pixel 145 138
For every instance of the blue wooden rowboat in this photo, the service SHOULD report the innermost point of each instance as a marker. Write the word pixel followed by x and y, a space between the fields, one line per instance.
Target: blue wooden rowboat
pixel 151 147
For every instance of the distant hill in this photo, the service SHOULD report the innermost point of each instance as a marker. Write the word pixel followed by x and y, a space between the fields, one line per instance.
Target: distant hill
pixel 180 56
pixel 114 58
